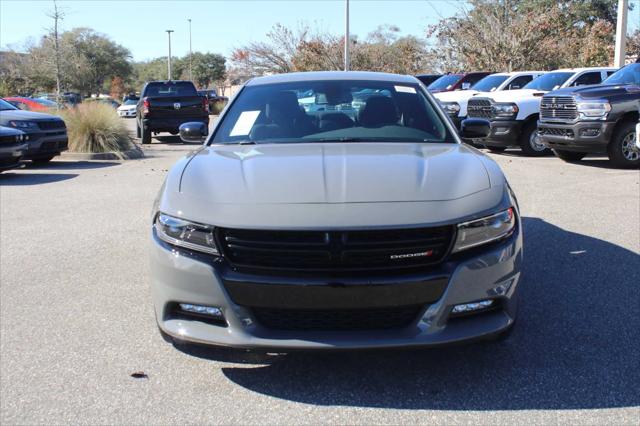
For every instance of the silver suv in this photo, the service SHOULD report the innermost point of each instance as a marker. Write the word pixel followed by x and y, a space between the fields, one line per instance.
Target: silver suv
pixel 335 210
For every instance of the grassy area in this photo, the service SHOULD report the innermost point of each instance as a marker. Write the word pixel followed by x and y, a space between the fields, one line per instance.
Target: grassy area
pixel 95 127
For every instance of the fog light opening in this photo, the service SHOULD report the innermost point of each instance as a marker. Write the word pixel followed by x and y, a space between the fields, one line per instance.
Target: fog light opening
pixel 473 307
pixel 590 132
pixel 210 314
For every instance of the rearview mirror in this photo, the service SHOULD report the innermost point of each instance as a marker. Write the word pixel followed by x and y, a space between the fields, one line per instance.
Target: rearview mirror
pixel 475 128
pixel 194 131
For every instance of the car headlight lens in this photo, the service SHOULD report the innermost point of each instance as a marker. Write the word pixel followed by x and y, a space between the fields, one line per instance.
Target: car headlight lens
pixel 182 233
pixel 23 124
pixel 505 110
pixel 485 230
pixel 593 110
pixel 451 108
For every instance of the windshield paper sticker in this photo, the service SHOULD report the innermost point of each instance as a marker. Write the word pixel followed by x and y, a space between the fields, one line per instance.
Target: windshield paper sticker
pixel 245 123
pixel 405 89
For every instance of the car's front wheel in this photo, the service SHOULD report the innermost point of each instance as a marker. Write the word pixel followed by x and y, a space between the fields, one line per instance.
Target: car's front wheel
pixel 569 156
pixel 530 142
pixel 622 149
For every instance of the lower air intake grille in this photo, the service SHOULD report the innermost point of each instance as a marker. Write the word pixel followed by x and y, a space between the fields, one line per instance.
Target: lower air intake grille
pixel 330 320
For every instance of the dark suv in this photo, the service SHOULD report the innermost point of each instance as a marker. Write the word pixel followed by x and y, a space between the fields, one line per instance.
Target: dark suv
pixel 599 119
pixel 461 81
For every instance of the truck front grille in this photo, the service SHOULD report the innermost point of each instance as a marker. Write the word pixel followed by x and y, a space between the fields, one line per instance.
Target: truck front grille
pixel 479 108
pixel 337 320
pixel 51 124
pixel 558 108
pixel 335 250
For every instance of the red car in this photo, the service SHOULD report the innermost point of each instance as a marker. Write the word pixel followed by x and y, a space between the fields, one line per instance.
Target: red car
pixel 460 81
pixel 31 104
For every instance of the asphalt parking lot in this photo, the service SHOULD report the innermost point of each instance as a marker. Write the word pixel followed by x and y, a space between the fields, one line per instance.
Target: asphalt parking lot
pixel 76 319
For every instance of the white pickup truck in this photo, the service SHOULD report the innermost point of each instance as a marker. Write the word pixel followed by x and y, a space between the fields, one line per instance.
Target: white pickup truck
pixel 455 103
pixel 514 113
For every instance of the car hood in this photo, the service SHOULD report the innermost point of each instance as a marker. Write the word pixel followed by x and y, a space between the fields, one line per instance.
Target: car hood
pixel 126 107
pixel 9 131
pixel 514 95
pixel 333 173
pixel 597 90
pixel 25 115
pixel 457 96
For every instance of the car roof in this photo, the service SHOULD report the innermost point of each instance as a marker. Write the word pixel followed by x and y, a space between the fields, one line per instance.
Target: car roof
pixel 331 75
pixel 585 69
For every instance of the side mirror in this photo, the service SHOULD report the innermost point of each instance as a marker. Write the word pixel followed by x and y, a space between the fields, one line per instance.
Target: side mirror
pixel 475 128
pixel 193 131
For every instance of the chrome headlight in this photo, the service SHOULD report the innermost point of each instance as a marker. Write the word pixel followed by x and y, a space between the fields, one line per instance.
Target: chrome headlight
pixel 23 124
pixel 485 230
pixel 504 110
pixel 451 108
pixel 593 110
pixel 182 233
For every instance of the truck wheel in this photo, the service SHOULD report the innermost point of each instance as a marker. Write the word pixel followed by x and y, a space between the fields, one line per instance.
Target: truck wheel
pixel 145 136
pixel 137 131
pixel 497 148
pixel 530 142
pixel 622 150
pixel 569 156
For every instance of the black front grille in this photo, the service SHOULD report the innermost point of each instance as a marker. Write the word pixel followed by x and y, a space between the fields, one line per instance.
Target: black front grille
pixel 558 108
pixel 555 132
pixel 332 320
pixel 51 124
pixel 335 250
pixel 479 108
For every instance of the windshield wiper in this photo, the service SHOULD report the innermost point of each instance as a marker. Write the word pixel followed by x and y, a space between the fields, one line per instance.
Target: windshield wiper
pixel 343 139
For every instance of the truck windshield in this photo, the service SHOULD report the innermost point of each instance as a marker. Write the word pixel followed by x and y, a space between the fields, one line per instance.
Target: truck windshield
pixel 626 75
pixel 444 82
pixel 332 111
pixel 170 89
pixel 549 81
pixel 489 83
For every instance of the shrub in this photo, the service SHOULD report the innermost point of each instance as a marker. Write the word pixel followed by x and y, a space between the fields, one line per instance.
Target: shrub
pixel 95 127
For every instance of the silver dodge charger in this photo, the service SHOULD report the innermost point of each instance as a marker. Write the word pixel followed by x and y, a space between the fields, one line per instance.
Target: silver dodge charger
pixel 335 210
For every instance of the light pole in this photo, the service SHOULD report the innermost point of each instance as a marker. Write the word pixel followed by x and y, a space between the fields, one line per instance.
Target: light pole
pixel 190 53
pixel 169 59
pixel 346 35
pixel 621 33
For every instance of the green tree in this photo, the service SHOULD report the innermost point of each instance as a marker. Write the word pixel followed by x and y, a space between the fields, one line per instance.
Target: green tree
pixel 207 68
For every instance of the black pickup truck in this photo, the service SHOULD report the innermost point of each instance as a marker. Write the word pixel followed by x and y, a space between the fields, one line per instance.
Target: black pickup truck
pixel 596 119
pixel 165 105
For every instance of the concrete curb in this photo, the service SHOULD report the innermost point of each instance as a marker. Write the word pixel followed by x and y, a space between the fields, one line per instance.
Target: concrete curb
pixel 130 154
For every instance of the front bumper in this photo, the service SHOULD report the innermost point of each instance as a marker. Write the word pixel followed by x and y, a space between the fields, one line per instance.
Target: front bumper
pixel 504 133
pixel 582 136
pixel 45 144
pixel 178 277
pixel 11 154
pixel 127 113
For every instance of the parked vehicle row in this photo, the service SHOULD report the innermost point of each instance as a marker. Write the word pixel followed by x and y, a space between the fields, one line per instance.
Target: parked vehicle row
pixel 573 112
pixel 45 134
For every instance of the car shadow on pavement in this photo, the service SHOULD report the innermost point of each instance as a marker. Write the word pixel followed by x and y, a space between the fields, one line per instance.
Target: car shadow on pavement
pixel 576 345
pixel 72 165
pixel 27 179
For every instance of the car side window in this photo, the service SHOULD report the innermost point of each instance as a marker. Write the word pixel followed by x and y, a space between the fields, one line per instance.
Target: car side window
pixel 588 78
pixel 470 80
pixel 519 82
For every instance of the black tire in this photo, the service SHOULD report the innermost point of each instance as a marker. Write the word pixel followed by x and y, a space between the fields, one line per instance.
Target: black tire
pixel 569 156
pixel 145 136
pixel 622 151
pixel 529 142
pixel 137 131
pixel 42 160
pixel 497 148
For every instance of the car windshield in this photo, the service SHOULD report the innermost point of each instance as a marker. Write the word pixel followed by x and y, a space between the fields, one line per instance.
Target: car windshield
pixel 6 106
pixel 489 83
pixel 332 111
pixel 170 89
pixel 549 81
pixel 130 102
pixel 444 82
pixel 626 75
